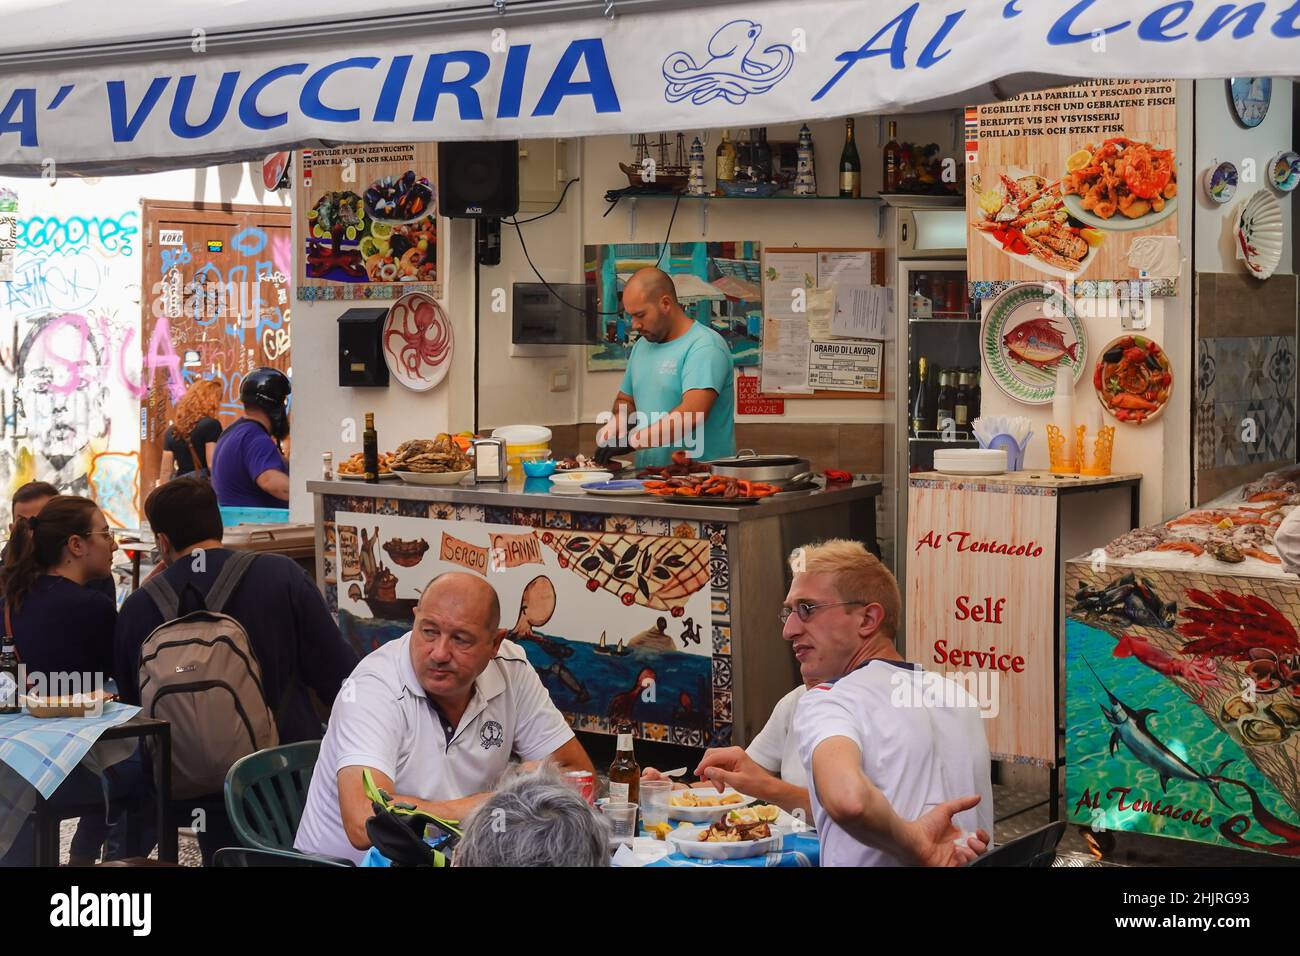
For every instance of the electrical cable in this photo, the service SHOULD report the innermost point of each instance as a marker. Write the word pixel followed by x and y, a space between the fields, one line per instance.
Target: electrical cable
pixel 524 246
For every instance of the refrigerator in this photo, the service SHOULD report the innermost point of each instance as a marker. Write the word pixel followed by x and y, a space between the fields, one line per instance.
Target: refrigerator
pixel 939 322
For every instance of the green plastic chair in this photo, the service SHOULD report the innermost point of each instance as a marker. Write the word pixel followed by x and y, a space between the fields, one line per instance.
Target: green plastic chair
pixel 242 856
pixel 266 792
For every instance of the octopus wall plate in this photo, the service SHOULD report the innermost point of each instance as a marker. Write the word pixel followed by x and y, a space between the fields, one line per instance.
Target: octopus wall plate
pixel 417 341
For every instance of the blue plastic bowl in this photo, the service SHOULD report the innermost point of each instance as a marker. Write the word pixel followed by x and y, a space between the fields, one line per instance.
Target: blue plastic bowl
pixel 542 468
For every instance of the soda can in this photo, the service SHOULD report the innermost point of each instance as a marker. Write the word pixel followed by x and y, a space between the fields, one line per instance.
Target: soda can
pixel 584 782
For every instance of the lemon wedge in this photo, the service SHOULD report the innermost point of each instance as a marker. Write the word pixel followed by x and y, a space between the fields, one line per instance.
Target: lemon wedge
pixel 1094 237
pixel 991 201
pixel 380 230
pixel 1078 160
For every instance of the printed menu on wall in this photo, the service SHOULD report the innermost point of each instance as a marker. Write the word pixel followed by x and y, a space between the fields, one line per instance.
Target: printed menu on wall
pixel 369 221
pixel 1077 184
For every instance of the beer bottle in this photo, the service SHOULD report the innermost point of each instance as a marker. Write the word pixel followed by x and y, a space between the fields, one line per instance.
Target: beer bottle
pixel 370 450
pixel 9 688
pixel 624 774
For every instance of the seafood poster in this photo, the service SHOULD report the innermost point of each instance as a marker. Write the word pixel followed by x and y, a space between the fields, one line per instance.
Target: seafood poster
pixel 369 221
pixel 981 568
pixel 1073 184
pixel 1182 699
pixel 619 625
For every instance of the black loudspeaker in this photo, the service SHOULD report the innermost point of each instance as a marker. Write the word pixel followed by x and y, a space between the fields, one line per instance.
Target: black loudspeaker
pixel 478 180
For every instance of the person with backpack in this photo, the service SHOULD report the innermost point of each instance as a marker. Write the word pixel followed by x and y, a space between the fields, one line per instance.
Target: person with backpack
pixel 223 639
pixel 190 441
pixel 59 626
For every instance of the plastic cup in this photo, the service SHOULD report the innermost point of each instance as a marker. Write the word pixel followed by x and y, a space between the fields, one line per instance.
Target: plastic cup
pixel 622 822
pixel 655 797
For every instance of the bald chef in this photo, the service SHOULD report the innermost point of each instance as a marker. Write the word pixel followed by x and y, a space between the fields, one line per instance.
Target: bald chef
pixel 678 391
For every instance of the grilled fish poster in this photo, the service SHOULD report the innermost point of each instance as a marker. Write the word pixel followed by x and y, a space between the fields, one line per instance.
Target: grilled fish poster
pixel 1075 184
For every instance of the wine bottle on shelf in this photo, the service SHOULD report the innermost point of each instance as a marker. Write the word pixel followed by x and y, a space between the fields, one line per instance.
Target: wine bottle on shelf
pixel 947 403
pixel 975 396
pixel 892 158
pixel 724 161
pixel 763 157
pixel 961 402
pixel 744 158
pixel 920 421
pixel 850 165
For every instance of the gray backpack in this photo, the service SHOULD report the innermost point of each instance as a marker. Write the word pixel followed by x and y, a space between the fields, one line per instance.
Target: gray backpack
pixel 199 672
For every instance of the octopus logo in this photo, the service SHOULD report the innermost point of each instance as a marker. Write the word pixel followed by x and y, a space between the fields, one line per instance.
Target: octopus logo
pixel 732 70
pixel 491 735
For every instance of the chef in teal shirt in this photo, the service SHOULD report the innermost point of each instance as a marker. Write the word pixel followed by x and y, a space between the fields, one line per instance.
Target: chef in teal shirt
pixel 678 391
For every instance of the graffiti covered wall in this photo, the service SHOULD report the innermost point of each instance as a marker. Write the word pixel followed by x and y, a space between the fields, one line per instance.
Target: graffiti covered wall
pixel 70 376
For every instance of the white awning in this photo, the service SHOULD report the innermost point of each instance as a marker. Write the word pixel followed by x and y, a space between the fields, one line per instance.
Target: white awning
pixel 93 86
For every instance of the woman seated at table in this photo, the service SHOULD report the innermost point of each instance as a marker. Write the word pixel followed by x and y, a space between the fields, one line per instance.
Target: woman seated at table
pixel 61 627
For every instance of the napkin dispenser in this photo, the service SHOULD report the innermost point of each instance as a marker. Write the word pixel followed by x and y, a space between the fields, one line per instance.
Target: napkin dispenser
pixel 490 459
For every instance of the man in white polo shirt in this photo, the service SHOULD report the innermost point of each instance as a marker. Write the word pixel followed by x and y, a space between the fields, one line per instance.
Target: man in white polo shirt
pixel 435 716
pixel 892 782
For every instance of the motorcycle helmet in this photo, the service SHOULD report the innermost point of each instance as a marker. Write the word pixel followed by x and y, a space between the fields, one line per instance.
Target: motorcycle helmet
pixel 268 389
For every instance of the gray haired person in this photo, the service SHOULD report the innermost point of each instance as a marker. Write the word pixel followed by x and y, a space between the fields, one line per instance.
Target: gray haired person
pixel 534 819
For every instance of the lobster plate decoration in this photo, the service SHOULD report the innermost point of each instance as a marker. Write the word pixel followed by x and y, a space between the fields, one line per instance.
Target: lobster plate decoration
pixel 417 341
pixel 1133 379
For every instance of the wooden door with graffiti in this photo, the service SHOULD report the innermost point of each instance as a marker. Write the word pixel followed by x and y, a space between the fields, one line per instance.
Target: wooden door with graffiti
pixel 215 302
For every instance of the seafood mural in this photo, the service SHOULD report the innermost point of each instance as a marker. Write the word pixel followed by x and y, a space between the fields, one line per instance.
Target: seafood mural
pixel 597 609
pixel 1183 705
pixel 1088 205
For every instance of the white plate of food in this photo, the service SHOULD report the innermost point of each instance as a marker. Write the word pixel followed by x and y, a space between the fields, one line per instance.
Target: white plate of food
pixel 705 804
pixel 433 477
pixel 726 841
pixel 581 463
pixel 1024 216
pixel 1121 185
pixel 571 482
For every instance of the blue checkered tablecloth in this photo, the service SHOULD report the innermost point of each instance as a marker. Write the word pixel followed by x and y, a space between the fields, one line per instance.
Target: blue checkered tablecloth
pixel 43 751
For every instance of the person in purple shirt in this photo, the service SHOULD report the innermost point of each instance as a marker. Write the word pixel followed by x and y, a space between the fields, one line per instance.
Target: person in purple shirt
pixel 249 470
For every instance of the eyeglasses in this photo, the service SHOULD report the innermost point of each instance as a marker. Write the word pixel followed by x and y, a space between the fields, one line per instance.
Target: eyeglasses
pixel 107 531
pixel 806 610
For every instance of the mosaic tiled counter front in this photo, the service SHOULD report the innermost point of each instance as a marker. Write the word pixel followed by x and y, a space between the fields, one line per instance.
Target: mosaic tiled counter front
pixel 629 610
pixel 1183 703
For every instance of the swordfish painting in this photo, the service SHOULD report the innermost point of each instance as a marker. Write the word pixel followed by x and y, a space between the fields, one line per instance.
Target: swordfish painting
pixel 1182 706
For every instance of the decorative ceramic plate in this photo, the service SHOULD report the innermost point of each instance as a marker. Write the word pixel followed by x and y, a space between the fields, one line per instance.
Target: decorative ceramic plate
pixel 1221 182
pixel 417 341
pixel 1259 234
pixel 1133 379
pixel 1028 331
pixel 1251 96
pixel 1284 171
pixel 626 488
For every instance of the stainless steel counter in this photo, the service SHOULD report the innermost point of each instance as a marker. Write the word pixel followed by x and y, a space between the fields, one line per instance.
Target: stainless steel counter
pixel 535 493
